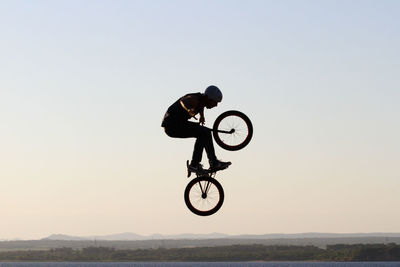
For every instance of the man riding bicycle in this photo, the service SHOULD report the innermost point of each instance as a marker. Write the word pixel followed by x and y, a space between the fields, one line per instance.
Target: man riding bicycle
pixel 176 124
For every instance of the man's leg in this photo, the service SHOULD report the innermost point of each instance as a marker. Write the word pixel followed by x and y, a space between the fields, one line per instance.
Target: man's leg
pixel 203 139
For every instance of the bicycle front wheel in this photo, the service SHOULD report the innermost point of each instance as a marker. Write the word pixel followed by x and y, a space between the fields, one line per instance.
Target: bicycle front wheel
pixel 232 130
pixel 204 196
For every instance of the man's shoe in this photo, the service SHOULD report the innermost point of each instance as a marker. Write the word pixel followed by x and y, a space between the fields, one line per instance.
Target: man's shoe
pixel 195 167
pixel 219 165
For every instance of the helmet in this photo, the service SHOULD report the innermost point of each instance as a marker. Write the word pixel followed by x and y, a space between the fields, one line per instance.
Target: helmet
pixel 213 93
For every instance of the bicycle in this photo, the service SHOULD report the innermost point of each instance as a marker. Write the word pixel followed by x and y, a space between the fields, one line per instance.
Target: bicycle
pixel 204 195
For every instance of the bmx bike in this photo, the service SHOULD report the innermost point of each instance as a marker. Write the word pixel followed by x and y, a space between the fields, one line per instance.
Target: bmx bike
pixel 204 195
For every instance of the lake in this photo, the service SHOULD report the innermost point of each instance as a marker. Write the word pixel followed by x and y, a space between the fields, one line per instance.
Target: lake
pixel 198 264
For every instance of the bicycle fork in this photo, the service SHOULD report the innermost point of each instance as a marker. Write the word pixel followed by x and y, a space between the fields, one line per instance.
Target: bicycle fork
pixel 205 191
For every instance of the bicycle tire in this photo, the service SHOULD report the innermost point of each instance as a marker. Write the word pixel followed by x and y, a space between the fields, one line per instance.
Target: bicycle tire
pixel 237 118
pixel 192 191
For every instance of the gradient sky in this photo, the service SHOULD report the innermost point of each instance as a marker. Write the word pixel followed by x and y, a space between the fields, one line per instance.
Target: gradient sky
pixel 84 86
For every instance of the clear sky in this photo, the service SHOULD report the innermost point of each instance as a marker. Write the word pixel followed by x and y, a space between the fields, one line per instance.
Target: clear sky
pixel 84 86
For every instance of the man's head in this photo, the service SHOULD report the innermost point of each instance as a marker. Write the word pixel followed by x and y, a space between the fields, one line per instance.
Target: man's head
pixel 214 96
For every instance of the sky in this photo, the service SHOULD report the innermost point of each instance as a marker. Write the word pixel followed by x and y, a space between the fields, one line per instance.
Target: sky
pixel 84 86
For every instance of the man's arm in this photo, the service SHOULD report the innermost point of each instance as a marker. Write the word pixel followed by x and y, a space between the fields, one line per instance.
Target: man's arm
pixel 202 119
pixel 190 103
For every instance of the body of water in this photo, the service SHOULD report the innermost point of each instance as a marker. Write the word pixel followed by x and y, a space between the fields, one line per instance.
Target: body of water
pixel 199 264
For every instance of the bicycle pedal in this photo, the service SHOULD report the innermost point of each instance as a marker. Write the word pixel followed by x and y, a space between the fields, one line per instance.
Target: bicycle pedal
pixel 188 171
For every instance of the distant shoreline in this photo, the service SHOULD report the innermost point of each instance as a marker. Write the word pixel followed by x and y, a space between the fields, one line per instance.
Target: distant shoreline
pixel 46 244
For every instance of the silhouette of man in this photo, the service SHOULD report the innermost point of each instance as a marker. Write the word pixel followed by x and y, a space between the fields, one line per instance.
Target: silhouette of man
pixel 176 124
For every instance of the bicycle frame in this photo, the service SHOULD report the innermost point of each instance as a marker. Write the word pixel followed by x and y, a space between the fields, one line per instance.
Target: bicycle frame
pixel 221 131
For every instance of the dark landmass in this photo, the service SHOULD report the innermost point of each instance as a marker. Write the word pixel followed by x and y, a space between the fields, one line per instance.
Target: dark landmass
pixel 358 252
pixel 46 244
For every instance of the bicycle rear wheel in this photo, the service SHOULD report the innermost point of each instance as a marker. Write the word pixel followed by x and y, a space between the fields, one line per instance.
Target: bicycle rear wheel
pixel 239 127
pixel 204 196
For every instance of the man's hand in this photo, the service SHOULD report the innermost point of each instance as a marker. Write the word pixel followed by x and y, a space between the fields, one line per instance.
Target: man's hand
pixel 202 120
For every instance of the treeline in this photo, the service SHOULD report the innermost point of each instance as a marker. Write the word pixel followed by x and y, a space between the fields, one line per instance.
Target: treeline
pixel 361 252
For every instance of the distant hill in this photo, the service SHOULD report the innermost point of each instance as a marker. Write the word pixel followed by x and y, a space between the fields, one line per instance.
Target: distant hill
pixel 121 236
pixel 315 235
pixel 65 237
pixel 137 237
